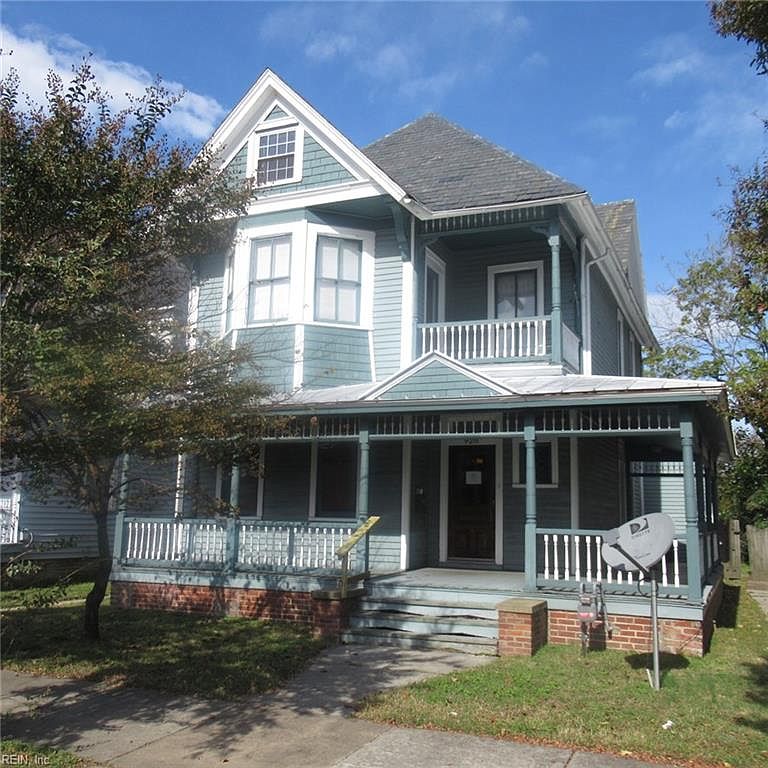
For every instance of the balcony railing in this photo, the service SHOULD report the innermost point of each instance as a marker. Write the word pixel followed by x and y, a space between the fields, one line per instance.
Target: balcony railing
pixel 525 338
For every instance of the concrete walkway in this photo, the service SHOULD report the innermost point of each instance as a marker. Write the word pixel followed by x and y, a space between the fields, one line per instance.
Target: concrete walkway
pixel 305 725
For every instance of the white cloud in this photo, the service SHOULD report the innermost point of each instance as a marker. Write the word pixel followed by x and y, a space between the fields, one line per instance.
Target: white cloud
pixel 35 51
pixel 607 126
pixel 533 62
pixel 429 89
pixel 673 57
pixel 327 47
pixel 663 314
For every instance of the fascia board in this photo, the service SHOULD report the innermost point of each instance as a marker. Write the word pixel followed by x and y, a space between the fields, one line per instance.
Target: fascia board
pixel 425 214
pixel 585 213
pixel 503 401
pixel 263 93
pixel 357 190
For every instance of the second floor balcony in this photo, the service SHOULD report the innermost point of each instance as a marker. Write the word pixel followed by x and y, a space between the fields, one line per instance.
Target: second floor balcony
pixel 526 339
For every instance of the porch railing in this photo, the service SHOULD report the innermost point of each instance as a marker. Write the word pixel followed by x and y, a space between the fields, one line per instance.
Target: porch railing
pixel 571 555
pixel 488 339
pixel 243 544
pixel 571 346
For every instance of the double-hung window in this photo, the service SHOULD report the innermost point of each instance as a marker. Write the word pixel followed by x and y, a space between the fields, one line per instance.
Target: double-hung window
pixel 338 280
pixel 276 157
pixel 270 279
pixel 516 294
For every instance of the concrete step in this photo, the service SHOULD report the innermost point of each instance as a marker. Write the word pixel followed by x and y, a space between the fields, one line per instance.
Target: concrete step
pixel 425 625
pixel 458 643
pixel 430 607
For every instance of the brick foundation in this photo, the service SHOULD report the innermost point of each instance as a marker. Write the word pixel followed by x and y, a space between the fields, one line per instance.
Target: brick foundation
pixel 326 613
pixel 629 633
pixel 522 626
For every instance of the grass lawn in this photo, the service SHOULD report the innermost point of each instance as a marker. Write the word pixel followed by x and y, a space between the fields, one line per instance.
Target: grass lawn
pixel 717 705
pixel 173 652
pixel 13 598
pixel 13 752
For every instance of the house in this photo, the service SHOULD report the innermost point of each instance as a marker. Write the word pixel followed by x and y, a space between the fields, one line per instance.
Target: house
pixel 454 337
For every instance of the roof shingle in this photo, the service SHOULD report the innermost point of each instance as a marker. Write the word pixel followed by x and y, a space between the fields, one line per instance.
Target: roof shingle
pixel 445 168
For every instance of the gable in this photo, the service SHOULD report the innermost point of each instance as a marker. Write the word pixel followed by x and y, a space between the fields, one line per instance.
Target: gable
pixel 434 378
pixel 314 155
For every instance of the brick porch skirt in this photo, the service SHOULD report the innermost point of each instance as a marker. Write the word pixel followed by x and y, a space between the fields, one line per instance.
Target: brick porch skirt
pixel 325 613
pixel 526 625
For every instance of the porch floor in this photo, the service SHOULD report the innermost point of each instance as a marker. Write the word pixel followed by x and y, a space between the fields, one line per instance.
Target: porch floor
pixel 456 579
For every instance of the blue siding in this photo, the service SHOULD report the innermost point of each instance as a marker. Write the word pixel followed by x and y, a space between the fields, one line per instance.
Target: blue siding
pixel 604 327
pixel 436 381
pixel 273 351
pixel 334 356
pixel 553 505
pixel 47 516
pixel 384 500
pixel 425 507
pixel 276 114
pixel 211 281
pixel 152 489
pixel 236 168
pixel 466 290
pixel 387 301
pixel 286 481
pixel 319 169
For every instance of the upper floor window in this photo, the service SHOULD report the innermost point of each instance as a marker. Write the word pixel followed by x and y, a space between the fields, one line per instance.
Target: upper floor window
pixel 338 280
pixel 276 156
pixel 270 272
pixel 515 290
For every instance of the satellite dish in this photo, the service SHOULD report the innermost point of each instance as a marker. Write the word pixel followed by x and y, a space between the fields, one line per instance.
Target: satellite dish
pixel 638 544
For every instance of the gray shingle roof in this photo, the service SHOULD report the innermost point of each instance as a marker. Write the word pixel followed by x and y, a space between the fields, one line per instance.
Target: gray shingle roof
pixel 445 167
pixel 618 220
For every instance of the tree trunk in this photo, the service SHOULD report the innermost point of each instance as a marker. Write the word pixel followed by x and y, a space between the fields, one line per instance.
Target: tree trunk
pixel 96 498
pixel 96 595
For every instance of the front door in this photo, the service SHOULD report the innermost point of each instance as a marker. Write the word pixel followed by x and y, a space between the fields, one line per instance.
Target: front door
pixel 471 502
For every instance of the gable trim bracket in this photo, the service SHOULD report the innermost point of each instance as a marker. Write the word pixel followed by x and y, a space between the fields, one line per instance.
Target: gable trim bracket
pixel 398 216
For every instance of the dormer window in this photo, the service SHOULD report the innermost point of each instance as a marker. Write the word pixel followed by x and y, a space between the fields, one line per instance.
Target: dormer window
pixel 277 155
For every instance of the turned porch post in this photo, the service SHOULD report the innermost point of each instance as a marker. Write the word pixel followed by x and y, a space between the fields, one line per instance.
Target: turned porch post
pixel 692 534
pixel 557 315
pixel 362 484
pixel 529 436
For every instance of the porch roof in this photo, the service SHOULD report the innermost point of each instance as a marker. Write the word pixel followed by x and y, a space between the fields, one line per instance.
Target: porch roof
pixel 523 389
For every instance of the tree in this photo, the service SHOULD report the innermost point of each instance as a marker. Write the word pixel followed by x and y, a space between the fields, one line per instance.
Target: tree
pixel 103 220
pixel 722 300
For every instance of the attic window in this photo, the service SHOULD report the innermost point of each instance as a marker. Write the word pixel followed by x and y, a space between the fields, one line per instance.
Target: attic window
pixel 278 156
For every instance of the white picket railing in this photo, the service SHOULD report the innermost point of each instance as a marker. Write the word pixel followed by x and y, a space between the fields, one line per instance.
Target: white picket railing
pixel 488 339
pixel 244 544
pixel 9 519
pixel 572 555
pixel 290 545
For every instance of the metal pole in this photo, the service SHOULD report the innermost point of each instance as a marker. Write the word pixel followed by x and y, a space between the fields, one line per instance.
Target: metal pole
pixel 656 684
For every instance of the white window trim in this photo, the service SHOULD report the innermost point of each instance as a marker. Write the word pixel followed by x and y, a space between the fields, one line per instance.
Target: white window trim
pixel 241 265
pixel 519 445
pixel 436 264
pixel 276 126
pixel 271 280
pixel 519 266
pixel 368 239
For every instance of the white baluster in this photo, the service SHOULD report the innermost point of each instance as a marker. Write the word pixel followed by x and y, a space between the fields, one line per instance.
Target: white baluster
pixel 676 561
pixel 664 580
pixel 588 540
pixel 546 555
pixel 577 555
pixel 557 557
pixel 566 557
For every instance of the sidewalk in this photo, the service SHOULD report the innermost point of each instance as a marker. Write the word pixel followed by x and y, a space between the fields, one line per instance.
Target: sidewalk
pixel 305 725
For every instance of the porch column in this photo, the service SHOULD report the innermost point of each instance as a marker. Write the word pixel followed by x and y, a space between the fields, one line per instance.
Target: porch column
pixel 234 486
pixel 362 487
pixel 557 316
pixel 693 553
pixel 122 501
pixel 529 435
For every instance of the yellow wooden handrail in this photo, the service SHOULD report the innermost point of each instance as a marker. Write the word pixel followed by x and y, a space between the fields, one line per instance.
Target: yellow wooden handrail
pixel 357 535
pixel 344 550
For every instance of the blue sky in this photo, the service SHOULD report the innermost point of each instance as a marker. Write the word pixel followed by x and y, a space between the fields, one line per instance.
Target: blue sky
pixel 629 100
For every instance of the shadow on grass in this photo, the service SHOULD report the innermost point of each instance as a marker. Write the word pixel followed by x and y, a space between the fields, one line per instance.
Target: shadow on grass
pixel 667 662
pixel 140 646
pixel 729 607
pixel 757 693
